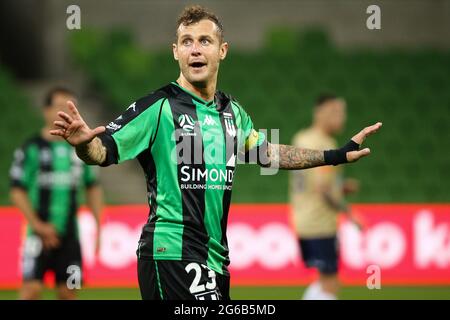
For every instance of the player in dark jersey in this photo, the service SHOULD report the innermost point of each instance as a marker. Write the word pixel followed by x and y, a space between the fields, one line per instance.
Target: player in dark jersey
pixel 46 180
pixel 187 137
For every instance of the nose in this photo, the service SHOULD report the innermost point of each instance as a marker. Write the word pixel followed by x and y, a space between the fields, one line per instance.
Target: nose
pixel 195 49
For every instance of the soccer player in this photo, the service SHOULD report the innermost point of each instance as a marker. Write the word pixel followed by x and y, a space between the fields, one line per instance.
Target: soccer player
pixel 317 197
pixel 46 180
pixel 187 137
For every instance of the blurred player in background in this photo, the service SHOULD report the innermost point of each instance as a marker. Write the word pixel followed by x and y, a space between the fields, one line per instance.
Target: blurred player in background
pixel 317 197
pixel 46 181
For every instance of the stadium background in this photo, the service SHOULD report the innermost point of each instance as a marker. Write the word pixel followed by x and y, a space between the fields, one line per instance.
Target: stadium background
pixel 282 55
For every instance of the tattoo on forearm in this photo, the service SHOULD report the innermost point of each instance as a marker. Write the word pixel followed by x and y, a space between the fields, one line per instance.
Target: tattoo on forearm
pixel 292 158
pixel 92 153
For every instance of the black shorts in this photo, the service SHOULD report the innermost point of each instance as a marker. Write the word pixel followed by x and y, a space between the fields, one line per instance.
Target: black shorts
pixel 320 253
pixel 63 261
pixel 181 280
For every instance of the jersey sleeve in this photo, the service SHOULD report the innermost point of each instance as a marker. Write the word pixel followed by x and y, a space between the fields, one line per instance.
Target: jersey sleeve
pixel 133 131
pixel 251 142
pixel 90 176
pixel 22 166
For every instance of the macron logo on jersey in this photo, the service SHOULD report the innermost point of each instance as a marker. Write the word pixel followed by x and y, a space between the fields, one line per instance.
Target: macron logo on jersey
pixel 132 106
pixel 114 126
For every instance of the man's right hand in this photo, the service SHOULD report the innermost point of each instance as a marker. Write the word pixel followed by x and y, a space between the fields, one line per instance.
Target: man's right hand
pixel 47 232
pixel 73 128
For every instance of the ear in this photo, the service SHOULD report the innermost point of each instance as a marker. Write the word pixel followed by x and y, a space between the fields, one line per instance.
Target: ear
pixel 223 50
pixel 175 51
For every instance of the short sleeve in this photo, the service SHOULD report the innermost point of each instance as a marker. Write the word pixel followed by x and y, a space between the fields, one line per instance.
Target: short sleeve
pixel 250 140
pixel 133 131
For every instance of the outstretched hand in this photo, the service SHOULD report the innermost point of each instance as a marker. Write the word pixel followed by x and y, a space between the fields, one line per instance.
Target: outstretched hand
pixel 73 128
pixel 359 138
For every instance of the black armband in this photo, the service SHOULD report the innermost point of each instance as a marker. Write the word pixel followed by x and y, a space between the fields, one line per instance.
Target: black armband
pixel 338 156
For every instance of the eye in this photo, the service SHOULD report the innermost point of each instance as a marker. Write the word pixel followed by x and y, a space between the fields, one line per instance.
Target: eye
pixel 205 42
pixel 187 42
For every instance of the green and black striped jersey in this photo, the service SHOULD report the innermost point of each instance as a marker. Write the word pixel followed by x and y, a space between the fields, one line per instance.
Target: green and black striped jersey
pixel 53 177
pixel 188 149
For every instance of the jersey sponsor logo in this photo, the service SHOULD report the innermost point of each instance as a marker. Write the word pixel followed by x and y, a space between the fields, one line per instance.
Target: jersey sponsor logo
pixel 113 126
pixel 61 151
pixel 186 122
pixel 192 177
pixel 60 179
pixel 209 121
pixel 45 156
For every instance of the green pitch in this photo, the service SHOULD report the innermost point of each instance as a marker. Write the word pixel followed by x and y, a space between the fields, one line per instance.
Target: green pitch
pixel 286 293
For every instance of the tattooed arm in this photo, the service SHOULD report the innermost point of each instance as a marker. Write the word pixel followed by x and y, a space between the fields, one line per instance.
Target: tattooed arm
pixel 294 158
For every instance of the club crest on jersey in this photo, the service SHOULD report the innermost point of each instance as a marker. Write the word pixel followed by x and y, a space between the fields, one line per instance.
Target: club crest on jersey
pixel 209 121
pixel 186 122
pixel 229 125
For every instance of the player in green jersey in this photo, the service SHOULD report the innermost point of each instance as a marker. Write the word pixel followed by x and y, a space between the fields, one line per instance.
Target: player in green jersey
pixel 187 137
pixel 46 180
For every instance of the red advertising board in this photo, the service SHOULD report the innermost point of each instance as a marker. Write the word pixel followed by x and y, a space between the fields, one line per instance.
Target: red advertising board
pixel 408 243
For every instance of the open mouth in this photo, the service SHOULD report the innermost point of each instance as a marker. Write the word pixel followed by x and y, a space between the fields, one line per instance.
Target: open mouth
pixel 197 65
